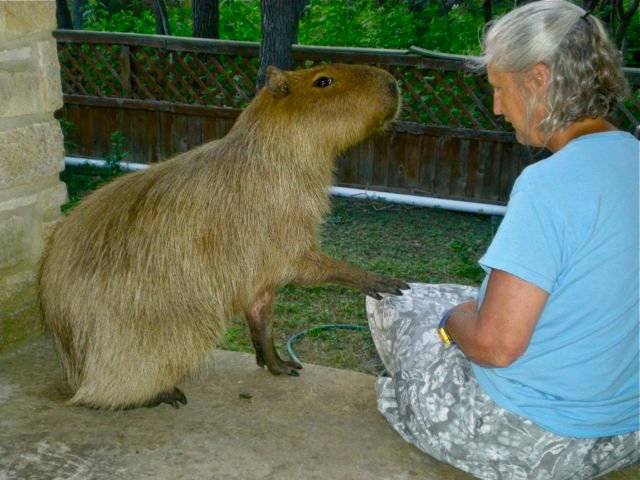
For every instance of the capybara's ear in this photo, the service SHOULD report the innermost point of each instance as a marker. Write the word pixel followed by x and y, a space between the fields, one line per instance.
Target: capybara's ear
pixel 277 82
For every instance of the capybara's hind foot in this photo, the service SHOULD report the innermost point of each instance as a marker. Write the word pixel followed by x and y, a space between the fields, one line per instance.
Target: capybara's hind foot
pixel 259 318
pixel 285 366
pixel 278 366
pixel 173 397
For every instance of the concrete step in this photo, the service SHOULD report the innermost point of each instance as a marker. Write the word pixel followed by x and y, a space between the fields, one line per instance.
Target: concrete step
pixel 240 423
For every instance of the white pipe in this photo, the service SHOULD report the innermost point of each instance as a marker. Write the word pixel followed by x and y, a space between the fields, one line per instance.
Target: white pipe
pixel 419 201
pixel 126 166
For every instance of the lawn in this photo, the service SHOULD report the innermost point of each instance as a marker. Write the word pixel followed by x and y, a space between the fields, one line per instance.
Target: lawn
pixel 411 243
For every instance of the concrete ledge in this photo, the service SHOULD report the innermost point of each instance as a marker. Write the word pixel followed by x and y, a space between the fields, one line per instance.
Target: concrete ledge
pixel 322 425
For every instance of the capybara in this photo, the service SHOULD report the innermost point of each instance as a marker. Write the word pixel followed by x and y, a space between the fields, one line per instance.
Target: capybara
pixel 137 282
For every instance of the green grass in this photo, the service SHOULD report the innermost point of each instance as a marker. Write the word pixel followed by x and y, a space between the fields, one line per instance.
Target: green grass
pixel 411 243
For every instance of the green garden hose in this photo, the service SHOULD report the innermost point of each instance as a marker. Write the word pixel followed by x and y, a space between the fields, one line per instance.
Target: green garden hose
pixel 325 326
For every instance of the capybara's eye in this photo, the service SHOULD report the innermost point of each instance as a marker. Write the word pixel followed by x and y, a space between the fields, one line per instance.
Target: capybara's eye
pixel 323 82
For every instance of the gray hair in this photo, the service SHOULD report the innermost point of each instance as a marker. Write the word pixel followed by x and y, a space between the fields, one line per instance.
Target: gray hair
pixel 586 77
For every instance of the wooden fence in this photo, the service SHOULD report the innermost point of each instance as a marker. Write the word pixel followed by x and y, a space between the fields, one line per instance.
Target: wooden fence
pixel 169 94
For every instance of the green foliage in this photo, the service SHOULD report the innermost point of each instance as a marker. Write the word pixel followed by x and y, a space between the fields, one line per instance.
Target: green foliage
pixel 348 23
pixel 632 52
pixel 82 180
pixel 116 152
pixel 240 20
pixel 357 23
pixel 98 17
pixel 457 31
pixel 180 21
pixel 464 262
pixel 365 23
pixel 70 135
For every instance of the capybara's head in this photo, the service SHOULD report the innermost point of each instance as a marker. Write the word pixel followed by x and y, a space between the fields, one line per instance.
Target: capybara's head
pixel 332 106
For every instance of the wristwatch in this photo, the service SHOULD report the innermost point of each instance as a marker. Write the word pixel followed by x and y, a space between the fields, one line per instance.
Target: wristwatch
pixel 442 329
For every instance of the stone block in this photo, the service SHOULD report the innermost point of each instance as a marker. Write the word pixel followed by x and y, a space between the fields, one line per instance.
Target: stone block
pixel 20 326
pixel 16 60
pixel 16 198
pixel 14 244
pixel 30 80
pixel 20 18
pixel 50 200
pixel 49 69
pixel 17 291
pixel 20 93
pixel 29 153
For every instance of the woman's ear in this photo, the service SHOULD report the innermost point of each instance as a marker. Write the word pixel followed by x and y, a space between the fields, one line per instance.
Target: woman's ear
pixel 539 76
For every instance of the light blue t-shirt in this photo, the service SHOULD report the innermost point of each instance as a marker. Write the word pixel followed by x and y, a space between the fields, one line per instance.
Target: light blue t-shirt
pixel 571 228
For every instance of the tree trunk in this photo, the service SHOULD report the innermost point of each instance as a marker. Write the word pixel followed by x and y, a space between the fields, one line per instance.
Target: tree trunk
pixel 416 6
pixel 162 19
pixel 625 20
pixel 206 17
pixel 79 6
pixel 616 17
pixel 63 16
pixel 487 11
pixel 280 20
pixel 590 5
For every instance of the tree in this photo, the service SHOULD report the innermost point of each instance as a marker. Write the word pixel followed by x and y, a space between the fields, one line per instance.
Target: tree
pixel 487 10
pixel 280 20
pixel 63 16
pixel 614 13
pixel 624 16
pixel 79 7
pixel 162 19
pixel 206 17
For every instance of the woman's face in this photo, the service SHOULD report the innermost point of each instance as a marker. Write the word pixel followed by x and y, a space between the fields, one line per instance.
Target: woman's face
pixel 509 100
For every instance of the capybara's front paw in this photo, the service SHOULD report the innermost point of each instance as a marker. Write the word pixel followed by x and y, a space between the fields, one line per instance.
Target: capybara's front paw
pixel 378 284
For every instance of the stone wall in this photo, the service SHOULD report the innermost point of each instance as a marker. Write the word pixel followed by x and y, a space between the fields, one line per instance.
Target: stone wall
pixel 31 156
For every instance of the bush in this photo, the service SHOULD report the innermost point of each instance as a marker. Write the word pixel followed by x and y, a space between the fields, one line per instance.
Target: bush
pixel 349 23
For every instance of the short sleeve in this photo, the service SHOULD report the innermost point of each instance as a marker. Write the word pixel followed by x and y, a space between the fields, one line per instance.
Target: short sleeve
pixel 528 243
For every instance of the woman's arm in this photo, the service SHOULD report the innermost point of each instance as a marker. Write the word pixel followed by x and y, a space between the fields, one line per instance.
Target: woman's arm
pixel 500 332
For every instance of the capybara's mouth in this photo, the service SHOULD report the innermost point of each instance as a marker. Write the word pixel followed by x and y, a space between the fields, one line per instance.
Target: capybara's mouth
pixel 397 98
pixel 393 116
pixel 386 125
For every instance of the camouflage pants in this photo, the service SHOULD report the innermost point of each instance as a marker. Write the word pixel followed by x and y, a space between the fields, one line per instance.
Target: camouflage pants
pixel 434 402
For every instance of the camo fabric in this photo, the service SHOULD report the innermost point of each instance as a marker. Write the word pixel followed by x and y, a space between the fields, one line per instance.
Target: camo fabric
pixel 434 402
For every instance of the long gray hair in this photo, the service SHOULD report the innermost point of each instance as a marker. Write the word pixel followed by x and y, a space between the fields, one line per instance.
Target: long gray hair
pixel 586 78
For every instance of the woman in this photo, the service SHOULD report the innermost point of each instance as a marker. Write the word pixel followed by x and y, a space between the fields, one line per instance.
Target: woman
pixel 541 379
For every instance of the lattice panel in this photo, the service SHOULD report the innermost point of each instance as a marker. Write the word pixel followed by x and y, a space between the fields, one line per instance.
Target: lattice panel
pixel 452 98
pixel 192 78
pixel 91 69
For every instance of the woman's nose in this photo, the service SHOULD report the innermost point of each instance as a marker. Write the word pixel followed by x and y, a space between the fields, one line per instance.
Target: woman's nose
pixel 497 107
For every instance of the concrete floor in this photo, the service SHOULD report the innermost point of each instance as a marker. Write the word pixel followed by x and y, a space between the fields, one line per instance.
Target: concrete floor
pixel 322 425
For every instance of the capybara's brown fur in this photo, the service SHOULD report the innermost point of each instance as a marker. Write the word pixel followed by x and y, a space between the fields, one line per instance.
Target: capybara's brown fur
pixel 136 283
